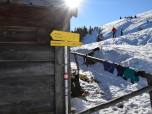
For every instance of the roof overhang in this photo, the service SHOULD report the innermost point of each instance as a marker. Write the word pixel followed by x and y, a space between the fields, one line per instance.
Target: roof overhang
pixel 43 3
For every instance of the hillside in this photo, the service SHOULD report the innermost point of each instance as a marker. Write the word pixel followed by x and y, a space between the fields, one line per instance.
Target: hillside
pixel 133 49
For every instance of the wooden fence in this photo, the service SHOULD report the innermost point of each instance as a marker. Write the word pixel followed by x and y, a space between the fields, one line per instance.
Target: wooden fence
pixel 146 75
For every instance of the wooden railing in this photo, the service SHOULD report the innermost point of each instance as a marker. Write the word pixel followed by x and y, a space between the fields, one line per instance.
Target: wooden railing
pixel 146 75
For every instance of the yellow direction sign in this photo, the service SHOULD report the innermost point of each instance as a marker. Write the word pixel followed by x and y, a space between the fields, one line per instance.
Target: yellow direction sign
pixel 62 43
pixel 66 36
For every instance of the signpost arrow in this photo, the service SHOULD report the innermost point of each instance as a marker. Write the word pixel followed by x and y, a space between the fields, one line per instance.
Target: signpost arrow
pixel 65 36
pixel 63 43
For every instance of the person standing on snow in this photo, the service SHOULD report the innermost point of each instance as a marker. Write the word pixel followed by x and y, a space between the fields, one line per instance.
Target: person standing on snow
pixel 121 30
pixel 114 32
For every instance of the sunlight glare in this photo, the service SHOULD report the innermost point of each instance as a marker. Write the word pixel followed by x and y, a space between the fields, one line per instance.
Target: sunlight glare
pixel 73 3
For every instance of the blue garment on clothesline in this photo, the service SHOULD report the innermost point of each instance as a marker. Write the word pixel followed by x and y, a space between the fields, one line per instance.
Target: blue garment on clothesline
pixel 109 66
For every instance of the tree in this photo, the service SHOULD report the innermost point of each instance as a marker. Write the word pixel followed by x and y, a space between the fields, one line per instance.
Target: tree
pixel 120 17
pixel 90 30
pixel 75 30
pixel 135 16
pixel 99 30
pixel 99 37
pixel 85 30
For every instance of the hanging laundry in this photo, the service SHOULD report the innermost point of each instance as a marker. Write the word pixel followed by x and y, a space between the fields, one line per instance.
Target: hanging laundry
pixel 130 73
pixel 120 70
pixel 109 66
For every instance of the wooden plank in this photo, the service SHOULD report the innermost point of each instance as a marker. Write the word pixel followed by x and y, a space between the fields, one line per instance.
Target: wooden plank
pixel 26 52
pixel 28 106
pixel 19 37
pixel 116 100
pixel 26 47
pixel 40 3
pixel 49 25
pixel 24 42
pixel 18 29
pixel 26 55
pixel 19 88
pixel 20 33
pixel 19 69
pixel 24 13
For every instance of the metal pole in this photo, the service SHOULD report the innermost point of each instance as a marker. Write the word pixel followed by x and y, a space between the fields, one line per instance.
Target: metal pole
pixel 66 79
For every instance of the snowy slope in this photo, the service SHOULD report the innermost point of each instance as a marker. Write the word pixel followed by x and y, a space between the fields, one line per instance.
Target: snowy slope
pixel 133 49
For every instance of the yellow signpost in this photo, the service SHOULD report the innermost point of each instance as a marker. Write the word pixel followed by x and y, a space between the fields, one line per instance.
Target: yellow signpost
pixel 64 43
pixel 66 39
pixel 66 36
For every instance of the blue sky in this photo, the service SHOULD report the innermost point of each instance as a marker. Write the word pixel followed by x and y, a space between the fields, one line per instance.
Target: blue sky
pixel 100 12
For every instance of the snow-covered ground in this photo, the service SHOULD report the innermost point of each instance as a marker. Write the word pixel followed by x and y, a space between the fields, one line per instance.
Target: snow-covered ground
pixel 133 49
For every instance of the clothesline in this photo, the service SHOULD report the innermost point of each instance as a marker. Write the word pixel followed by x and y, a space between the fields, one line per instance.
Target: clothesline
pixel 105 75
pixel 140 73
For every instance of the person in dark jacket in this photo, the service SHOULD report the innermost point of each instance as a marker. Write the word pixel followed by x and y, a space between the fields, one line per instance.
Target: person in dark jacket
pixel 114 32
pixel 121 30
pixel 76 89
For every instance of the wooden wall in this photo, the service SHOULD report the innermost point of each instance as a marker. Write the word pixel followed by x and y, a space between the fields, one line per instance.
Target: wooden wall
pixel 26 74
pixel 27 61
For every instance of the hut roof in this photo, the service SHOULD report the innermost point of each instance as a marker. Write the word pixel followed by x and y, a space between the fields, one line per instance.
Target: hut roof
pixel 54 3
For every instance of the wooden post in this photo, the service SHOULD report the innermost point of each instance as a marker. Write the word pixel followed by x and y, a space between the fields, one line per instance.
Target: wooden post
pixel 150 92
pixel 149 83
pixel 76 61
pixel 116 100
pixel 59 69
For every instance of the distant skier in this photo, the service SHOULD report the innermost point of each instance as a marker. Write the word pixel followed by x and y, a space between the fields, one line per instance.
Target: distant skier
pixel 121 30
pixel 114 32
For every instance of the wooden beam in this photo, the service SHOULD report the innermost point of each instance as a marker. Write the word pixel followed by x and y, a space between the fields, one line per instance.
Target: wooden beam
pixel 28 48
pixel 76 61
pixel 11 69
pixel 29 106
pixel 89 57
pixel 22 88
pixel 116 100
pixel 19 12
pixel 147 75
pixel 3 61
pixel 24 42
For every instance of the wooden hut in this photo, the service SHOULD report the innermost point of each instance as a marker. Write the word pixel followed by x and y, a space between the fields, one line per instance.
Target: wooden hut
pixel 32 71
